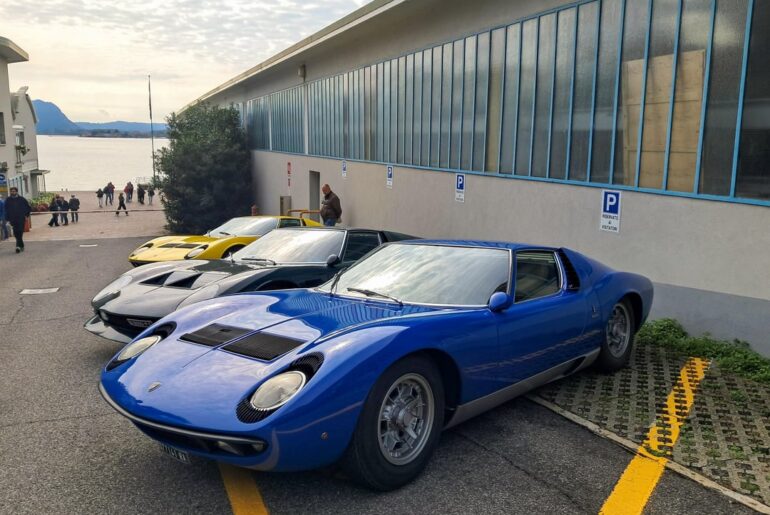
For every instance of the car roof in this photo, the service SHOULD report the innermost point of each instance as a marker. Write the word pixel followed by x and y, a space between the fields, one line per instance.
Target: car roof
pixel 478 243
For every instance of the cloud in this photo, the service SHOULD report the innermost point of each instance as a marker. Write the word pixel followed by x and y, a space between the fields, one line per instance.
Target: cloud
pixel 95 55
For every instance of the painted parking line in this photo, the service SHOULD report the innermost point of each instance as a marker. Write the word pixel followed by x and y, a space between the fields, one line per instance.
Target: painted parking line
pixel 242 491
pixel 637 483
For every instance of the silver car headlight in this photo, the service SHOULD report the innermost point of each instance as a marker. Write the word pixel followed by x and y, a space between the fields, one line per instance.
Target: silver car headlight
pixel 133 349
pixel 113 288
pixel 196 252
pixel 278 390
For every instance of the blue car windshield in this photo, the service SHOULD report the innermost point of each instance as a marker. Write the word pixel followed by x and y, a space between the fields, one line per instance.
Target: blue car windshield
pixel 428 274
pixel 293 246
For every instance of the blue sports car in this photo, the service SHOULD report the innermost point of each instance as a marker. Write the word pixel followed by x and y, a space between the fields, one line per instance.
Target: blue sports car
pixel 368 368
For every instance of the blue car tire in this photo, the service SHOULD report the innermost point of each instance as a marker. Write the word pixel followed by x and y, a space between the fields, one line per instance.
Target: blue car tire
pixel 399 426
pixel 619 337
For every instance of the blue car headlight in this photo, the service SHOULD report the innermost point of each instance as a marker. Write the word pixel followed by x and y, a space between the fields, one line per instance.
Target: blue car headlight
pixel 278 390
pixel 134 349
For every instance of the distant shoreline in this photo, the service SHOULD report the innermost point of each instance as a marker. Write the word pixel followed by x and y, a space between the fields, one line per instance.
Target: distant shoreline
pixel 109 136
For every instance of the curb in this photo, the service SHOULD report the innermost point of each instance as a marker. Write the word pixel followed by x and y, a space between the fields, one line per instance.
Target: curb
pixel 745 500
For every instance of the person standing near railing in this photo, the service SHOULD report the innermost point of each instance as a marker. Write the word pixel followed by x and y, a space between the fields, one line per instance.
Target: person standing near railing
pixel 331 209
pixel 99 195
pixel 74 206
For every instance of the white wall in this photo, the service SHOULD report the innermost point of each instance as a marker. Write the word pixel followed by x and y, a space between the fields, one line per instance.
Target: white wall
pixel 7 151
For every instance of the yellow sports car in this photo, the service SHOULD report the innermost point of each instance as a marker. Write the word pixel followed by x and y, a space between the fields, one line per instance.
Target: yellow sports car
pixel 218 243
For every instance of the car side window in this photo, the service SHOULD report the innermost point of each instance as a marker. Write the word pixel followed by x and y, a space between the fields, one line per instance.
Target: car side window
pixel 360 243
pixel 290 222
pixel 537 275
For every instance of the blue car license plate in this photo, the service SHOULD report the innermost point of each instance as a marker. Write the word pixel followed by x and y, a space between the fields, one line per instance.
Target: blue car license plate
pixel 178 455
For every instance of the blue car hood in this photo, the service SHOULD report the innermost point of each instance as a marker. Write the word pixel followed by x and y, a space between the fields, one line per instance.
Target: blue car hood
pixel 202 385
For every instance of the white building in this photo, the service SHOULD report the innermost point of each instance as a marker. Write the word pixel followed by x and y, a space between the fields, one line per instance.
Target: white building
pixel 541 105
pixel 18 135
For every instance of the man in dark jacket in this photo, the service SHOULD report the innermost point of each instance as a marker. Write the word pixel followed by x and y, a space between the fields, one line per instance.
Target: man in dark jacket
pixel 53 207
pixel 64 206
pixel 331 210
pixel 16 212
pixel 74 206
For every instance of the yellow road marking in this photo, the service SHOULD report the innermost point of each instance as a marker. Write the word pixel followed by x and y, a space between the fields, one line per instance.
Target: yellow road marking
pixel 637 483
pixel 242 491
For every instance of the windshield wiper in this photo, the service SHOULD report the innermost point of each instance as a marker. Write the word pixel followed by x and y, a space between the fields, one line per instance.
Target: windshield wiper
pixel 335 280
pixel 268 261
pixel 372 293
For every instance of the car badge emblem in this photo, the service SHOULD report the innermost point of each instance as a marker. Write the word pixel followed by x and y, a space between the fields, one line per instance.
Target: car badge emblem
pixel 153 386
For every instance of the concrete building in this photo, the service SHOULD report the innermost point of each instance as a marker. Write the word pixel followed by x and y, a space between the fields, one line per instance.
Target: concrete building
pixel 18 134
pixel 542 105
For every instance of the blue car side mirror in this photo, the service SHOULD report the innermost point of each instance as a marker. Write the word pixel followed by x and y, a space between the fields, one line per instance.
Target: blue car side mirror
pixel 499 301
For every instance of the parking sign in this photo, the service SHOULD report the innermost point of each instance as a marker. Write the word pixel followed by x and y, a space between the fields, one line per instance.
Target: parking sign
pixel 610 219
pixel 389 180
pixel 460 187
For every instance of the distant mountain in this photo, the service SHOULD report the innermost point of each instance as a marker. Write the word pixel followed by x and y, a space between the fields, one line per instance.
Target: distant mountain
pixel 123 126
pixel 50 119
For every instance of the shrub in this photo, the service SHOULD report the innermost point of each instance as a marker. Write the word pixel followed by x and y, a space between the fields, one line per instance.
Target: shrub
pixel 205 173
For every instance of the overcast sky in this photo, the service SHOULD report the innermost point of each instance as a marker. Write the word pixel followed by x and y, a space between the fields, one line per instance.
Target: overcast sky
pixel 92 57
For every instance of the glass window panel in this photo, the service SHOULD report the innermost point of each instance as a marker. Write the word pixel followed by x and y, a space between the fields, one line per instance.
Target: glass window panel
pixel 401 107
pixel 722 107
pixel 435 117
pixel 527 95
pixel 753 180
pixel 409 111
pixel 446 105
pixel 469 85
pixel 348 115
pixel 482 98
pixel 545 69
pixel 360 105
pixel 582 113
pixel 386 112
pixel 565 49
pixel 457 102
pixel 427 102
pixel 381 156
pixel 634 34
pixel 367 110
pixel 418 109
pixel 511 94
pixel 394 110
pixel 496 72
pixel 605 91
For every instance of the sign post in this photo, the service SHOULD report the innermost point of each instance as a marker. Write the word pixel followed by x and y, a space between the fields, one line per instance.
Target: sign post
pixel 389 180
pixel 344 169
pixel 288 175
pixel 610 219
pixel 460 187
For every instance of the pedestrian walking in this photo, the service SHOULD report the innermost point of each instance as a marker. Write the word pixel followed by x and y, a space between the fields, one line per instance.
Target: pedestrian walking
pixel 74 207
pixel 17 212
pixel 331 209
pixel 53 207
pixel 4 233
pixel 129 191
pixel 140 194
pixel 109 190
pixel 150 194
pixel 99 196
pixel 64 207
pixel 121 205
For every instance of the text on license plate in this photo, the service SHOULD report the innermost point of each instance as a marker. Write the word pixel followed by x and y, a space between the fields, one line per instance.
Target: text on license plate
pixel 176 453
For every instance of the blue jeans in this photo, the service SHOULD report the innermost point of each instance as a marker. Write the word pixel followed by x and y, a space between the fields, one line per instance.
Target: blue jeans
pixel 330 222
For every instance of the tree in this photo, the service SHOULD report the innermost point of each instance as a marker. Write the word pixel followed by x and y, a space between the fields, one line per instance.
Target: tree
pixel 204 172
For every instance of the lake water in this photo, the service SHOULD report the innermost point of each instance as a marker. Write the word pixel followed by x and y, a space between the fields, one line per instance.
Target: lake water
pixel 83 164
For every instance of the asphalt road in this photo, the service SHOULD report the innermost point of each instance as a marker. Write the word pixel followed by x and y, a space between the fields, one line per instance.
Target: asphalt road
pixel 63 450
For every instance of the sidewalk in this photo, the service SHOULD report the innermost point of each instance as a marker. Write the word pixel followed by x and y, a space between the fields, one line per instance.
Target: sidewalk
pixel 143 220
pixel 725 436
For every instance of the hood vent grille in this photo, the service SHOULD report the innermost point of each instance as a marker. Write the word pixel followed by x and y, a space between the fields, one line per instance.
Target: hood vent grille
pixel 158 280
pixel 263 346
pixel 187 282
pixel 214 334
pixel 179 245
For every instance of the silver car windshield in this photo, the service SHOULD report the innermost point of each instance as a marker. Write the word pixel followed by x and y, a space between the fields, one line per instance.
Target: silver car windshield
pixel 294 246
pixel 427 274
pixel 245 226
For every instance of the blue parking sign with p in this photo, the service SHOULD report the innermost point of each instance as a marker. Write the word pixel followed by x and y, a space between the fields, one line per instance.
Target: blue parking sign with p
pixel 611 202
pixel 460 187
pixel 460 182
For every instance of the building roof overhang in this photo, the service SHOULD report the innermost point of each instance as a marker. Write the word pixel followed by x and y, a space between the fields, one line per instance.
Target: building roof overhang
pixel 340 26
pixel 11 52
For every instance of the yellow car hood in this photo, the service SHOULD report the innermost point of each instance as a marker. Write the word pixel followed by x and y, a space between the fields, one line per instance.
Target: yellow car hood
pixel 172 248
